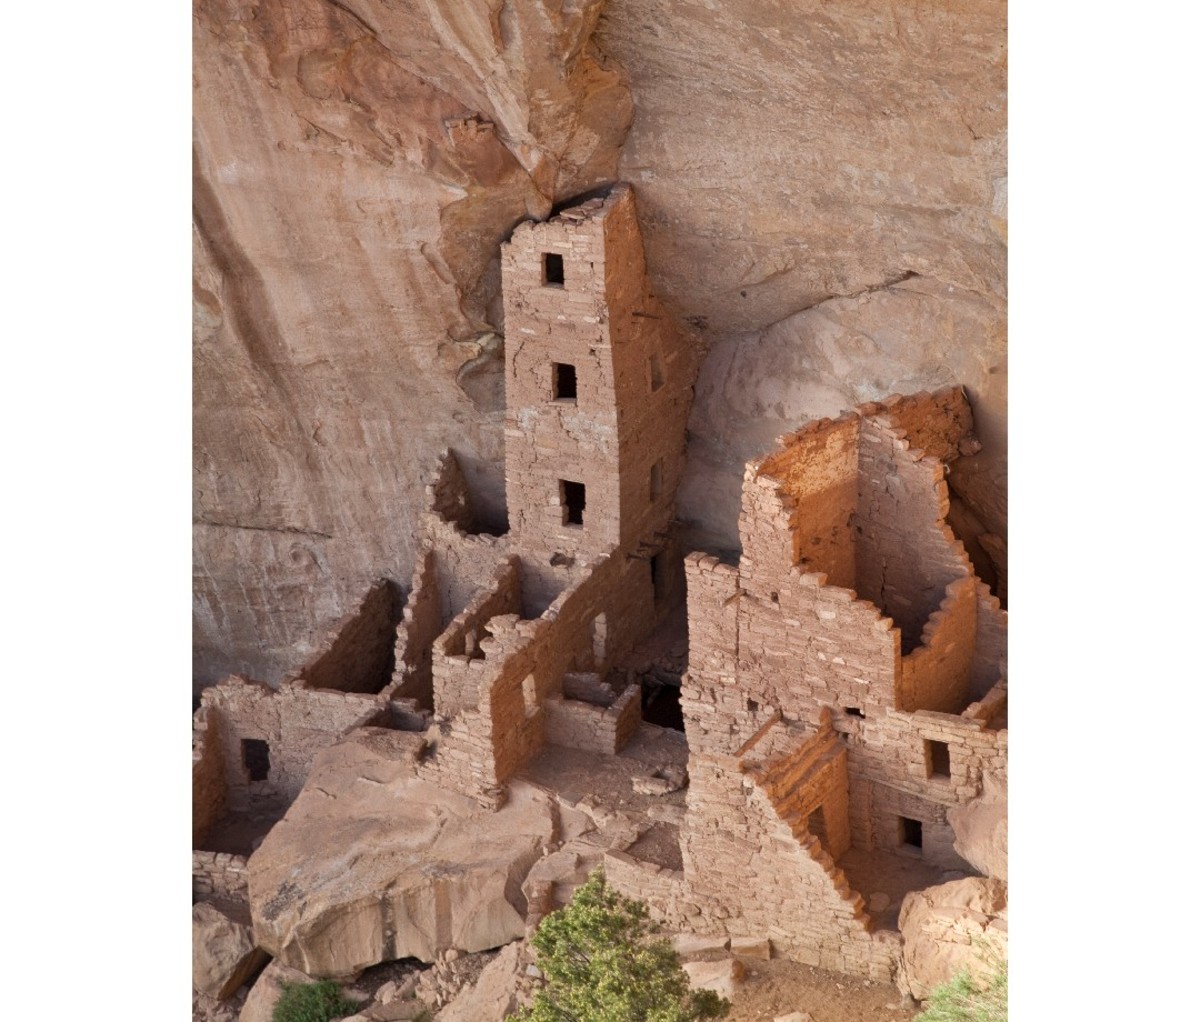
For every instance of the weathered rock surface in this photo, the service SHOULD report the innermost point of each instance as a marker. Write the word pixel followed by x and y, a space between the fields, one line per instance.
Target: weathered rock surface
pixel 223 952
pixel 981 829
pixel 956 926
pixel 371 865
pixel 260 1003
pixel 722 977
pixel 822 193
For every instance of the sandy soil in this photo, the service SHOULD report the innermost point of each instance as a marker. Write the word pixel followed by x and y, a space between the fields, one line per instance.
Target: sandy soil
pixel 778 987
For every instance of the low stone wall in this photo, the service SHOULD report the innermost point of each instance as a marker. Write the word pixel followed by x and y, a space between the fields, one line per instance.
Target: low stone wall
pixel 576 724
pixel 219 875
pixel 937 675
pixel 664 891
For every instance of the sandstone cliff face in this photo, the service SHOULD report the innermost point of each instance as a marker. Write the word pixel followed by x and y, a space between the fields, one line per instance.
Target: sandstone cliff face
pixel 821 189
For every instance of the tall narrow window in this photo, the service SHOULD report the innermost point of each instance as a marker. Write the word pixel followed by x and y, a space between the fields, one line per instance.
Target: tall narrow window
pixel 655 481
pixel 565 387
pixel 573 497
pixel 656 372
pixel 658 579
pixel 552 269
pixel 529 694
pixel 256 758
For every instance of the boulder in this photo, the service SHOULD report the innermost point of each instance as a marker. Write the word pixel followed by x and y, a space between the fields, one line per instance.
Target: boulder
pixel 223 952
pixel 260 1002
pixel 981 828
pixel 950 928
pixel 371 864
pixel 751 947
pixel 722 977
pixel 691 945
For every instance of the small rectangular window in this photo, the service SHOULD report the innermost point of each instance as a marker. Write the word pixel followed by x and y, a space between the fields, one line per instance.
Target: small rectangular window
pixel 656 373
pixel 573 497
pixel 552 269
pixel 655 481
pixel 937 759
pixel 910 832
pixel 256 758
pixel 854 711
pixel 565 386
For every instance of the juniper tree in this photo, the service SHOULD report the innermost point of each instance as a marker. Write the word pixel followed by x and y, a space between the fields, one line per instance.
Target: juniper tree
pixel 601 963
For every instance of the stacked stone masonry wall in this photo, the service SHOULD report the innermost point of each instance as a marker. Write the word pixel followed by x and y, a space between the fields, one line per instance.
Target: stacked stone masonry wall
pixel 937 674
pixel 991 643
pixel 296 723
pixel 938 424
pixel 419 626
pixel 817 467
pixel 220 876
pixel 809 775
pixel 664 891
pixel 460 668
pixel 734 841
pixel 208 776
pixel 356 655
pixel 575 724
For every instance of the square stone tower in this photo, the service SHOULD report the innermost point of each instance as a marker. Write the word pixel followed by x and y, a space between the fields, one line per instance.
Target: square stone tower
pixel 598 385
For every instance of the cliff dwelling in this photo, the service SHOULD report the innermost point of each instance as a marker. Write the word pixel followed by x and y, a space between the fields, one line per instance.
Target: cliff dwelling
pixel 768 747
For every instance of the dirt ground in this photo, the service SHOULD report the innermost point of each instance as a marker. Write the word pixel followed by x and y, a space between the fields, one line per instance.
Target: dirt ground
pixel 779 987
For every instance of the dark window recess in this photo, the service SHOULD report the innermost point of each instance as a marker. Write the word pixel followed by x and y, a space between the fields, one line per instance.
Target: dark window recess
pixel 574 499
pixel 565 386
pixel 552 269
pixel 656 373
pixel 752 705
pixel 655 480
pixel 910 832
pixel 256 758
pixel 937 758
pixel 854 711
pixel 658 579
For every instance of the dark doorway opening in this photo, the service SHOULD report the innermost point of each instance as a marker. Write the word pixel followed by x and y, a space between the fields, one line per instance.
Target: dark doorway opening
pixel 910 833
pixel 660 705
pixel 574 500
pixel 256 758
pixel 552 270
pixel 816 827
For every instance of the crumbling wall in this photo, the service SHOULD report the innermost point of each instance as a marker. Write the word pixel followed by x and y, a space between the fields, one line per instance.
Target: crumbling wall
pixel 296 723
pixel 906 554
pixel 356 654
pixel 937 674
pixel 220 876
pixel 419 626
pixel 209 796
pixel 460 674
pixel 940 424
pixel 664 891
pixel 817 468
pixel 523 665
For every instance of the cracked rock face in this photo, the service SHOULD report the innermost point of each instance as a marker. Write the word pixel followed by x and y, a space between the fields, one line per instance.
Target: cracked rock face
pixel 821 188
pixel 371 865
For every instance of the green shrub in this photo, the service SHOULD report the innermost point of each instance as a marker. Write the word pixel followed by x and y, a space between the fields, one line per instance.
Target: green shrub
pixel 601 964
pixel 312 1002
pixel 965 1000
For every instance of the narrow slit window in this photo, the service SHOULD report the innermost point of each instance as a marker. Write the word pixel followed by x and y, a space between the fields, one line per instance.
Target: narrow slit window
pixel 256 758
pixel 656 372
pixel 529 694
pixel 854 711
pixel 655 481
pixel 573 497
pixel 910 832
pixel 937 759
pixel 565 387
pixel 552 270
pixel 658 579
